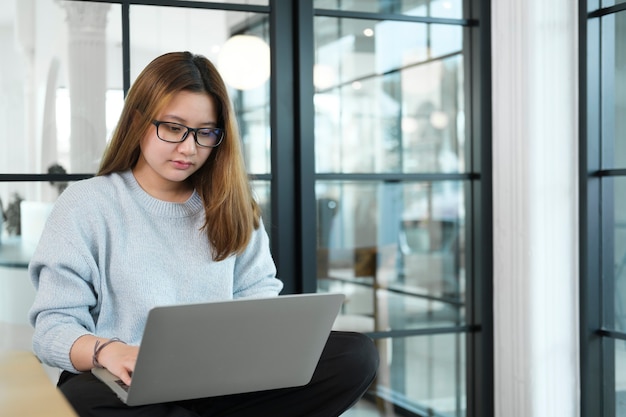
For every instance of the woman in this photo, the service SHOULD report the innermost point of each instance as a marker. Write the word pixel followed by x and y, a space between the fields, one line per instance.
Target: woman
pixel 169 219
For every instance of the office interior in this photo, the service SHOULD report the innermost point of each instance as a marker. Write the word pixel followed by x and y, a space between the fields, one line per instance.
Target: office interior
pixel 455 167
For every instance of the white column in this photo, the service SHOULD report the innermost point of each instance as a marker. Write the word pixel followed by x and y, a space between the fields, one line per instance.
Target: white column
pixel 25 30
pixel 49 144
pixel 535 142
pixel 87 83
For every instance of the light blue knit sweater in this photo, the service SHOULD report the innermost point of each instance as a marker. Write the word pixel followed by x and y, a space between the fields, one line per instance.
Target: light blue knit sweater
pixel 110 252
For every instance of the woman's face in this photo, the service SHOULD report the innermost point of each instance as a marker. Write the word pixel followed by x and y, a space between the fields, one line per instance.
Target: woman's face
pixel 163 167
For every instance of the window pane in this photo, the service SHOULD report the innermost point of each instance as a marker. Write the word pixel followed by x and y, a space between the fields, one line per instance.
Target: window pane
pixel 16 297
pixel 614 90
pixel 63 88
pixel 350 49
pixel 26 206
pixel 245 2
pixel 616 188
pixel 156 30
pixel 609 3
pixel 410 119
pixel 428 8
pixel 422 374
pixel 252 106
pixel 262 190
pixel 253 115
pixel 395 250
pixel 620 377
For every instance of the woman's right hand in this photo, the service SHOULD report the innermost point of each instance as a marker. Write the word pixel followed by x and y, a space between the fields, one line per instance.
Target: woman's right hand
pixel 118 357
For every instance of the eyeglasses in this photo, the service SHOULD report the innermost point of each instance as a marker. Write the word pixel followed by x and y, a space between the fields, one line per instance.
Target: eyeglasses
pixel 207 137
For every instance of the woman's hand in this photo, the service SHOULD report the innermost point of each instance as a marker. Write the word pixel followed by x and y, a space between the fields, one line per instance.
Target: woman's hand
pixel 119 358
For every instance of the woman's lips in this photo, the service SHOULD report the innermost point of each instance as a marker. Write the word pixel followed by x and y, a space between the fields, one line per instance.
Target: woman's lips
pixel 182 164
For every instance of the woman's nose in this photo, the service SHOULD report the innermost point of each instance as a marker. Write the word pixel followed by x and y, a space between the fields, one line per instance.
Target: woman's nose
pixel 188 146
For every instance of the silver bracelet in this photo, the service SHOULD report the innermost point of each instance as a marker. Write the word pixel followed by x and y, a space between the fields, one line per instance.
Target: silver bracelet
pixel 98 348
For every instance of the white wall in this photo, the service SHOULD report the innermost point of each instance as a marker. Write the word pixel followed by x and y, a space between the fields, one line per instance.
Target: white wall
pixel 535 140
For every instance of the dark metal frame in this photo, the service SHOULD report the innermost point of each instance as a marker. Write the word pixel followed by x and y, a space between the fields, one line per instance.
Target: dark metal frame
pixel 293 175
pixel 480 350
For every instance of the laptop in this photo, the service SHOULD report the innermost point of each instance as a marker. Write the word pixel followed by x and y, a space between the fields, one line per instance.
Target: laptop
pixel 228 347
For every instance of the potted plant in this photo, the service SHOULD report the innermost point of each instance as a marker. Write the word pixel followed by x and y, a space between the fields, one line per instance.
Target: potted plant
pixel 3 218
pixel 58 169
pixel 12 215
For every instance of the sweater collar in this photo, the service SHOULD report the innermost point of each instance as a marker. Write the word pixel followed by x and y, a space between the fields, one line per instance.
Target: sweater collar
pixel 158 207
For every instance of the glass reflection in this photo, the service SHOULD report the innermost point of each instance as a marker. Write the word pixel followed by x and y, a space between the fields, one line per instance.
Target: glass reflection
pixel 243 2
pixel 609 3
pixel 262 192
pixel 615 189
pixel 422 374
pixel 614 90
pixel 619 346
pixel 24 208
pixel 382 108
pixel 424 8
pixel 396 250
pixel 351 49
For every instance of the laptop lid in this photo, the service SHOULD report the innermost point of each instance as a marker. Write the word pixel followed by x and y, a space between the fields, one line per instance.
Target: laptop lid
pixel 229 347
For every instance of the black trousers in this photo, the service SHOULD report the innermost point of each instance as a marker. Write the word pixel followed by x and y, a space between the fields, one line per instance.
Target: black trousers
pixel 346 368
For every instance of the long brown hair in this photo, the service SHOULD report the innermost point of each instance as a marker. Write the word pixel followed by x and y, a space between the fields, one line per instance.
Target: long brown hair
pixel 231 213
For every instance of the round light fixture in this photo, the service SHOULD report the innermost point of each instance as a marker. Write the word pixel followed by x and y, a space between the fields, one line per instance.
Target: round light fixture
pixel 323 76
pixel 244 62
pixel 438 119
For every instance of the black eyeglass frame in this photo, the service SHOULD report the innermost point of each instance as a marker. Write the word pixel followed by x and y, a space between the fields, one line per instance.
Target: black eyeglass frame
pixel 217 130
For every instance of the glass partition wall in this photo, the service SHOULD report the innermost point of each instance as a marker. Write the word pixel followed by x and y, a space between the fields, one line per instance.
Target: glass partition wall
pixel 603 204
pixel 359 121
pixel 393 163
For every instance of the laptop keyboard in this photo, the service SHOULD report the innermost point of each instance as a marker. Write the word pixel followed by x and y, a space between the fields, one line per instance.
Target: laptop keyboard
pixel 122 384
